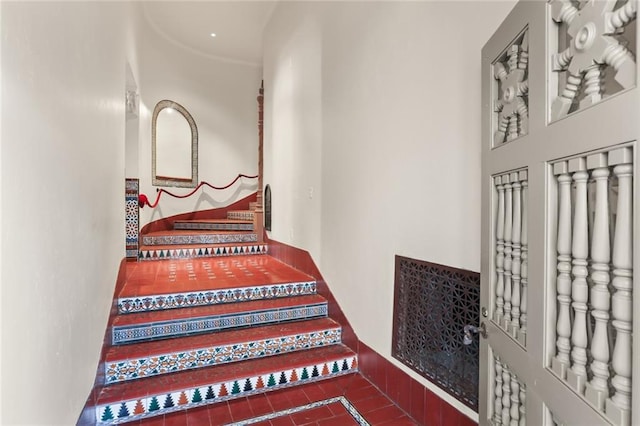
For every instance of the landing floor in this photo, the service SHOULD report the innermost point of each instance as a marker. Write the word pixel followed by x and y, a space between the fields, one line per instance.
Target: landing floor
pixel 176 276
pixel 345 401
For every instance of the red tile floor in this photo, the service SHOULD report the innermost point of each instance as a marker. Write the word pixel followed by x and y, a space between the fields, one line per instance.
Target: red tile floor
pixel 374 407
pixel 145 278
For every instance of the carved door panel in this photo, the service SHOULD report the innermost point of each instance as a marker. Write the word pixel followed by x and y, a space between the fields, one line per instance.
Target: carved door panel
pixel 560 113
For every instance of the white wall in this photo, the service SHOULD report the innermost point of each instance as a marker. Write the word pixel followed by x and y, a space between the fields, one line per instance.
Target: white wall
pixel 221 97
pixel 62 177
pixel 293 124
pixel 399 137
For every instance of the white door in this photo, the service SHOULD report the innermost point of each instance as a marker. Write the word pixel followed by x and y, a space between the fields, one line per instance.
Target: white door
pixel 560 123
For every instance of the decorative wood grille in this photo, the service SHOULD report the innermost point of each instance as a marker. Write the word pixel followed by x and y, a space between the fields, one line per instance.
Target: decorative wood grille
pixel 593 49
pixel 432 304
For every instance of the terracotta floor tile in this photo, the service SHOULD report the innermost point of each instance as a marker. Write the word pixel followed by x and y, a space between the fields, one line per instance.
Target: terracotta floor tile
pixel 371 404
pixel 384 414
pixel 260 405
pixel 219 414
pixel 198 416
pixel 240 409
pixel 179 418
pixel 354 394
pixel 314 415
pixel 282 421
pixel 343 420
pixel 402 421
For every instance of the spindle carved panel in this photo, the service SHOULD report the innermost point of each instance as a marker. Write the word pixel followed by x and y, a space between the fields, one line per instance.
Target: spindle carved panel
pixel 509 396
pixel 510 281
pixel 511 91
pixel 594 278
pixel 592 52
pixel 432 305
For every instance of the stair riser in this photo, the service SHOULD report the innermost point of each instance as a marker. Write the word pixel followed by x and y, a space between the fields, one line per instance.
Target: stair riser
pixel 213 226
pixel 166 329
pixel 183 398
pixel 131 369
pixel 190 252
pixel 167 240
pixel 240 215
pixel 214 297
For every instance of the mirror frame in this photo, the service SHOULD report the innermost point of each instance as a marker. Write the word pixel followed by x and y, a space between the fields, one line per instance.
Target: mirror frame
pixel 176 182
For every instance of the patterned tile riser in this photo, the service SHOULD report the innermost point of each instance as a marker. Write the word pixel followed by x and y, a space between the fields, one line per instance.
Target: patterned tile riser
pixel 131 217
pixel 214 226
pixel 153 331
pixel 153 405
pixel 214 297
pixel 188 253
pixel 166 240
pixel 203 357
pixel 240 215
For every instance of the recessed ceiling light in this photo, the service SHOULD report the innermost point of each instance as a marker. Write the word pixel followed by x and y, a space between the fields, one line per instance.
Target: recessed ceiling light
pixel 213 34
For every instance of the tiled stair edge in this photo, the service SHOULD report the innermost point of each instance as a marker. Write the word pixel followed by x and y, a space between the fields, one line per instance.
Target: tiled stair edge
pixel 191 252
pixel 214 297
pixel 166 224
pixel 156 364
pixel 165 240
pixel 203 226
pixel 180 327
pixel 302 261
pixel 157 404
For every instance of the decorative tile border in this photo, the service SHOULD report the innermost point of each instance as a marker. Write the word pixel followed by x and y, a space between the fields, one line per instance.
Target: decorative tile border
pixel 240 215
pixel 191 252
pixel 166 240
pixel 212 226
pixel 130 369
pixel 180 399
pixel 149 303
pixel 164 329
pixel 132 219
pixel 341 399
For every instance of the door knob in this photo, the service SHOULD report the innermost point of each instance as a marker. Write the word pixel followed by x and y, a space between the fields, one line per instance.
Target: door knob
pixel 470 330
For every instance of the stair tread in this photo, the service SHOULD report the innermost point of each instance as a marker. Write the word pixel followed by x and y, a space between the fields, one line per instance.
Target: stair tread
pixel 201 274
pixel 213 221
pixel 177 381
pixel 212 310
pixel 171 232
pixel 229 337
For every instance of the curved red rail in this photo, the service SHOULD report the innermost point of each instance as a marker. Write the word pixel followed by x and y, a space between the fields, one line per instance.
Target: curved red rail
pixel 143 200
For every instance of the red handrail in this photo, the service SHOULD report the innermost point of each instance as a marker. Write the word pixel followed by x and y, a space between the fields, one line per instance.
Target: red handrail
pixel 143 200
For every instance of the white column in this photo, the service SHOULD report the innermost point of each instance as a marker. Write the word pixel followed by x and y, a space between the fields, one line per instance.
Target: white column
pixel 561 361
pixel 506 396
pixel 499 291
pixel 515 401
pixel 508 249
pixel 497 400
pixel 618 407
pixel 515 264
pixel 523 404
pixel 577 376
pixel 524 272
pixel 598 388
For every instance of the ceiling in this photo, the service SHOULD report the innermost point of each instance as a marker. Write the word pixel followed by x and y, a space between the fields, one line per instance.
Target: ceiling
pixel 238 26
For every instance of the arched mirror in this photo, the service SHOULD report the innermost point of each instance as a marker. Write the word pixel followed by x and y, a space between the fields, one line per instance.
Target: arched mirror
pixel 174 153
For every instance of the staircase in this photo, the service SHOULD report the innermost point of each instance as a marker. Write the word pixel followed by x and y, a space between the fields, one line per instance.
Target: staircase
pixel 206 316
pixel 204 238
